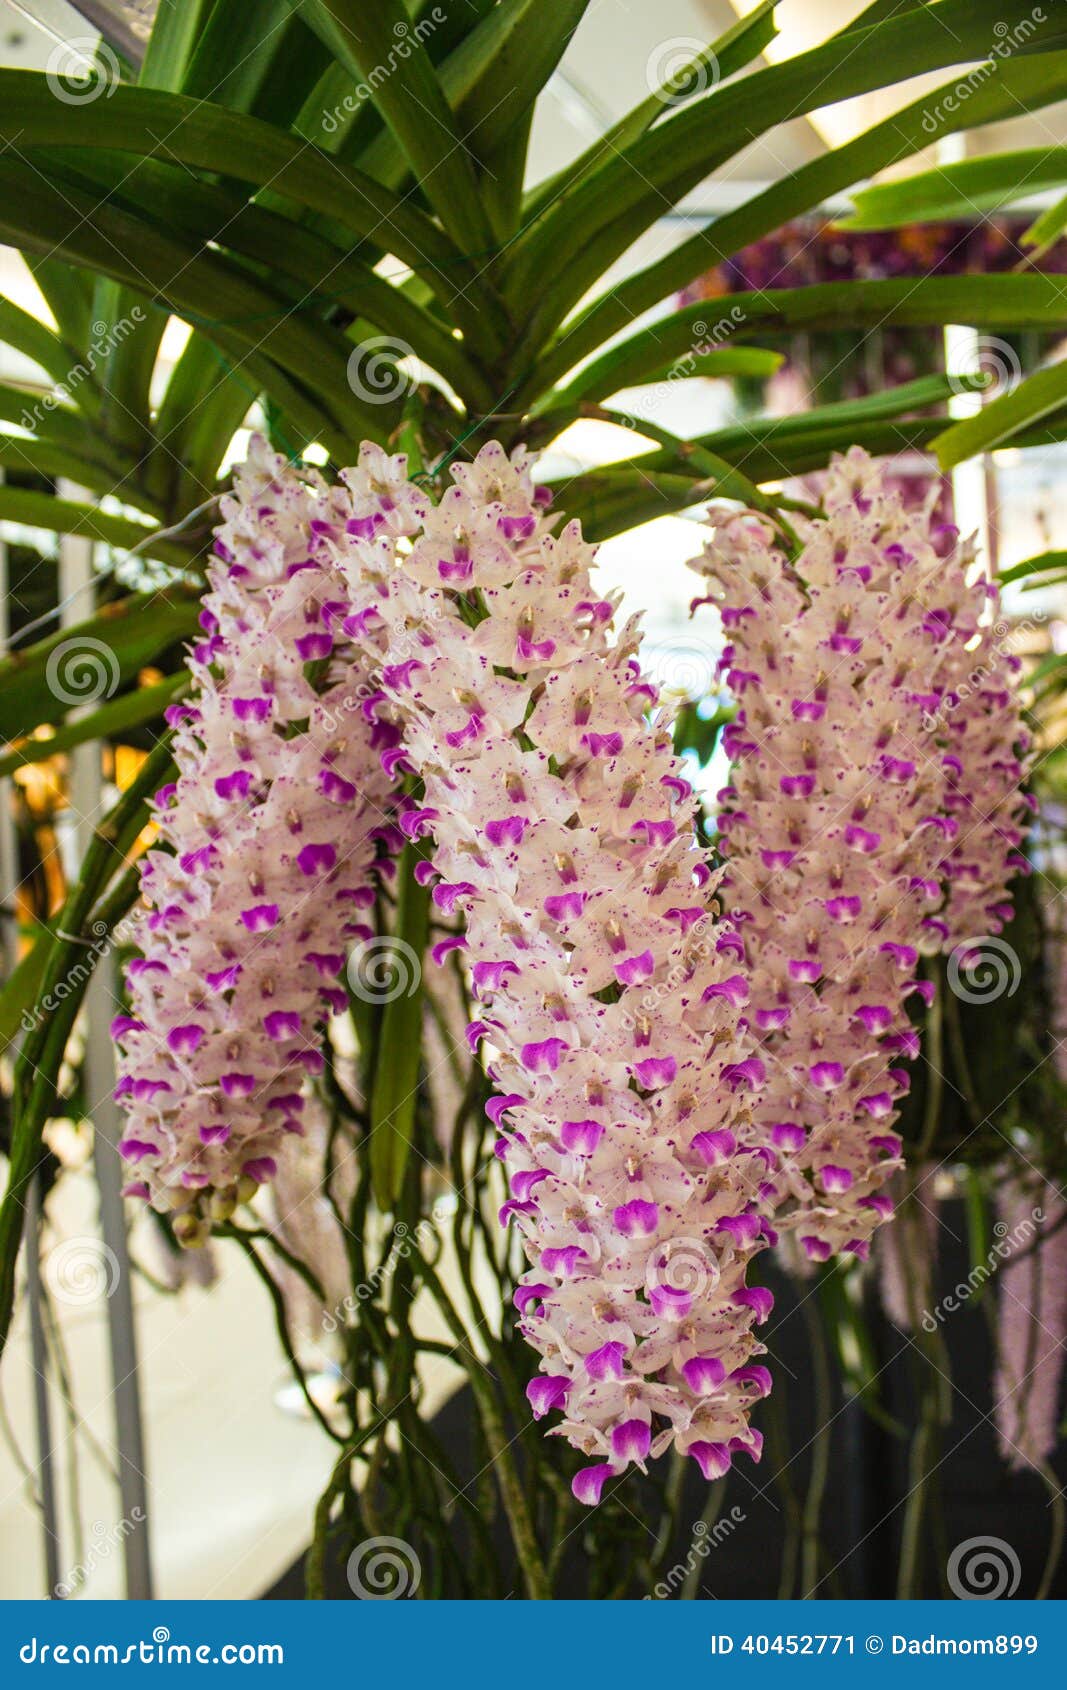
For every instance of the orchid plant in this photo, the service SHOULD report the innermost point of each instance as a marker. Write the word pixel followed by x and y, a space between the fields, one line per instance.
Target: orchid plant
pixel 635 1055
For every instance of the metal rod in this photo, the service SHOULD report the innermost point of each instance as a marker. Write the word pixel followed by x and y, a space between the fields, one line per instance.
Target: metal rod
pixel 86 797
pixel 9 876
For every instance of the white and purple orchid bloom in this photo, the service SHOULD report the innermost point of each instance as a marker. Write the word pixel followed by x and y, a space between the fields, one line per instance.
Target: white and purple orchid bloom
pixel 269 843
pixel 874 815
pixel 608 993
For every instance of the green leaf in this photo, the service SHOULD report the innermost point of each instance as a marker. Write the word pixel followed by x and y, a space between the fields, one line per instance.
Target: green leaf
pixel 92 660
pixel 1019 84
pixel 30 336
pixel 67 516
pixel 593 223
pixel 969 189
pixel 203 287
pixel 641 361
pixel 379 47
pixel 131 710
pixel 741 43
pixel 209 137
pixel 68 295
pixel 1047 229
pixel 394 1092
pixel 1005 417
pixel 1043 564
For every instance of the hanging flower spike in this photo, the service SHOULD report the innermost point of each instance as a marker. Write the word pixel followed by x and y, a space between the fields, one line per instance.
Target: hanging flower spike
pixel 265 867
pixel 838 824
pixel 608 992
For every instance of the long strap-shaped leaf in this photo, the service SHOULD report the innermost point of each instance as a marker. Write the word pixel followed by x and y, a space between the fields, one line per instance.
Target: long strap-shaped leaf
pixel 1019 84
pixel 967 189
pixel 326 276
pixel 232 308
pixel 724 57
pixel 991 302
pixel 193 132
pixel 379 46
pixel 576 239
pixel 1022 408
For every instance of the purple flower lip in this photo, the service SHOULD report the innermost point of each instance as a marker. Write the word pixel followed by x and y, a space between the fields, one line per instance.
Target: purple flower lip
pixel 563 1262
pixel 755 1297
pixel 897 769
pixel 743 1229
pixel 447 896
pixel 875 1017
pixel 316 859
pixel 184 1041
pixel 835 1180
pixel 238 1085
pixel 564 906
pixel 670 1303
pixel 237 785
pixel 252 709
pixel 655 1072
pixel 861 839
pixel 713 1459
pixel 580 1138
pixel 334 787
pixel 588 1484
pixel 827 1076
pixel 215 1135
pixel 748 1075
pixel 787 1135
pixel 714 1148
pixel 260 1168
pixel 734 990
pixel 260 918
pixel 844 909
pixel 543 1057
pixel 546 1392
pixel 797 786
pixel 807 710
pixel 489 976
pixel 805 970
pixel 603 745
pixel 125 1024
pixel 312 647
pixel 635 970
pixel 508 830
pixel 637 1219
pixel 136 1149
pixel 753 1375
pixel 703 1374
pixel 281 1024
pixel 608 1362
pixel 631 1440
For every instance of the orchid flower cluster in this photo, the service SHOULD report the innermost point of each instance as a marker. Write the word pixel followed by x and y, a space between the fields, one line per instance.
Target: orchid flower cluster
pixel 873 816
pixel 671 1085
pixel 562 831
pixel 264 875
